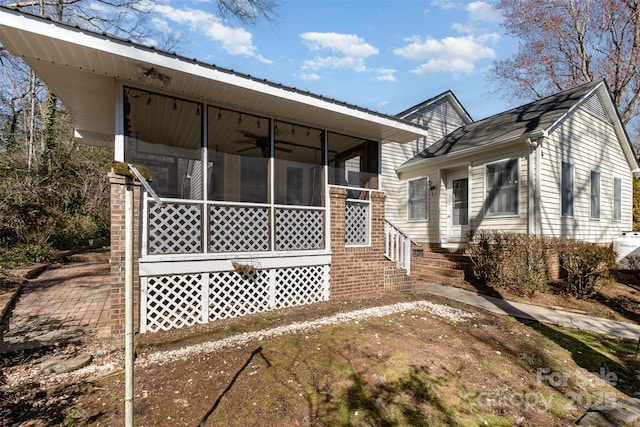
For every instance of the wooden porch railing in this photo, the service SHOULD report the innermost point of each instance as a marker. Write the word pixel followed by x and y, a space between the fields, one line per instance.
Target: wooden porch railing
pixel 397 246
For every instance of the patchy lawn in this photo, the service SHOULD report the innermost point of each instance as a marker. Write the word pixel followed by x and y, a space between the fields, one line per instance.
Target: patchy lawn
pixel 410 368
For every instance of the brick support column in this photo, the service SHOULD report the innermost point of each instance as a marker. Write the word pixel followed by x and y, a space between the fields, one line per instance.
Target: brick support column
pixel 118 230
pixel 356 271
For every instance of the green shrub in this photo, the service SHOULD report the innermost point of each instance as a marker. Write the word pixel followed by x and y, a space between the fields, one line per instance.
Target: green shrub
pixel 587 266
pixel 510 260
pixel 19 255
pixel 485 250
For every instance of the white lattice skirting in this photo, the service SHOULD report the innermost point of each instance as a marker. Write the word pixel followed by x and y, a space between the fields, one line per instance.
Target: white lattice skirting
pixel 356 222
pixel 172 302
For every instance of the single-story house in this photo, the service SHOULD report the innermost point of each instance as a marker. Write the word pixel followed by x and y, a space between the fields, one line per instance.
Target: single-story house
pixel 269 196
pixel 560 166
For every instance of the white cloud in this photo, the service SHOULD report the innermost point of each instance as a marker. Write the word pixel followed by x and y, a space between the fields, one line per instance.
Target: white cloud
pixel 351 51
pixel 309 76
pixel 451 54
pixel 480 11
pixel 457 54
pixel 235 41
pixel 444 4
pixel 385 75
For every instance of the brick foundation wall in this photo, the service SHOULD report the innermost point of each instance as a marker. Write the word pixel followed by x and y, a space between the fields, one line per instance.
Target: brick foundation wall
pixel 116 294
pixel 356 271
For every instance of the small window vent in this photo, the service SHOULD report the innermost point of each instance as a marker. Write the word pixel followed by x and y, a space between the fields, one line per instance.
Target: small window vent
pixel 594 106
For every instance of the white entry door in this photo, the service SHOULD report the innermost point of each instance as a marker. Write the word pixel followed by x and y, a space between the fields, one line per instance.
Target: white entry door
pixel 457 206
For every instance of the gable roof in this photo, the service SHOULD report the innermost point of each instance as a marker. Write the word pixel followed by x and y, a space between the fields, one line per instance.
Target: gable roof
pixel 449 95
pixel 83 69
pixel 531 120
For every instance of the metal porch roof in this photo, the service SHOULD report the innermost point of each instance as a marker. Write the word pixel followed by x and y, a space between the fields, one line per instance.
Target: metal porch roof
pixel 82 69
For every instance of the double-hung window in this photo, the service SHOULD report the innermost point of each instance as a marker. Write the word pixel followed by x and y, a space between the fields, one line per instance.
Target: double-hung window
pixel 617 199
pixel 595 194
pixel 417 199
pixel 502 188
pixel 567 189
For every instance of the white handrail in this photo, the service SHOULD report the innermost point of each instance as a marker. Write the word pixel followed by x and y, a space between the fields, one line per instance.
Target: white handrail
pixel 397 246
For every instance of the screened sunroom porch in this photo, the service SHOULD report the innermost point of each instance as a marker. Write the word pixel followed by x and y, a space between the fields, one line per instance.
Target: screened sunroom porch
pixel 243 220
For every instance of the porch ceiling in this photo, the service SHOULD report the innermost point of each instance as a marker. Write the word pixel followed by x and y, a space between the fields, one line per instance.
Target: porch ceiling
pixel 83 69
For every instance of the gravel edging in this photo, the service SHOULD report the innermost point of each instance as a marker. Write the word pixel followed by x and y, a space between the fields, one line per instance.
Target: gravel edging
pixel 109 359
pixel 439 310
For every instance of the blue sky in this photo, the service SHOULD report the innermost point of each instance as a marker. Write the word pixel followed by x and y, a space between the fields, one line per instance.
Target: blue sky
pixel 383 55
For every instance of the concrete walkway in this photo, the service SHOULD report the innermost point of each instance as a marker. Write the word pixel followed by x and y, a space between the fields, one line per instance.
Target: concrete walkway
pixel 538 313
pixel 65 303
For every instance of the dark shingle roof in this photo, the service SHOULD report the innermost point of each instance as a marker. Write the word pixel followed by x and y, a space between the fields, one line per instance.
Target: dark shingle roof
pixel 507 125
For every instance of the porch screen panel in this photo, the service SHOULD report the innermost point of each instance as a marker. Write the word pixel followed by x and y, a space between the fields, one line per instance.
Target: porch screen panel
pixel 353 162
pixel 239 148
pixel 164 134
pixel 298 164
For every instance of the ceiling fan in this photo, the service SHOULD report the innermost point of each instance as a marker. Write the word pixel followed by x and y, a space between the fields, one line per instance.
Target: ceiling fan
pixel 263 144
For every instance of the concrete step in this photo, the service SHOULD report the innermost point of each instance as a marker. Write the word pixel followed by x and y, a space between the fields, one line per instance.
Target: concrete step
pixel 441 263
pixel 424 279
pixel 93 255
pixel 442 271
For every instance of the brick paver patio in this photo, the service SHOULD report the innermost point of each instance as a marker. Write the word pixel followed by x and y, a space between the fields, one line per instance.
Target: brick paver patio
pixel 67 303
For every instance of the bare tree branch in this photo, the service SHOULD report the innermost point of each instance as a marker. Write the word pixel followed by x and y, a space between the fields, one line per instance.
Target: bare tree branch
pixel 564 43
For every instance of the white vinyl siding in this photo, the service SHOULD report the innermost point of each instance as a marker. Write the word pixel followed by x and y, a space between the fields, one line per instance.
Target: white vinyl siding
pixel 588 143
pixel 395 154
pixel 502 188
pixel 567 189
pixel 595 194
pixel 417 199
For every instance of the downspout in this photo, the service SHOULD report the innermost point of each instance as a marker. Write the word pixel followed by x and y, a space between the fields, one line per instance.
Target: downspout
pixel 531 187
pixel 538 207
pixel 533 183
pixel 128 281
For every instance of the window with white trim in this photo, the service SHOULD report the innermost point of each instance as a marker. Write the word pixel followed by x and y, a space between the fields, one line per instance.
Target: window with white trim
pixel 567 189
pixel 595 194
pixel 417 204
pixel 617 199
pixel 502 188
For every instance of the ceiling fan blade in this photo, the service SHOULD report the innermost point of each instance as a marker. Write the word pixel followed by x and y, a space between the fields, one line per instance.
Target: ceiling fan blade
pixel 246 149
pixel 286 150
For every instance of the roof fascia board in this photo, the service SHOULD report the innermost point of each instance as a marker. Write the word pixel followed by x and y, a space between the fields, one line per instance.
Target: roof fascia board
pixel 452 99
pixel 140 54
pixel 573 108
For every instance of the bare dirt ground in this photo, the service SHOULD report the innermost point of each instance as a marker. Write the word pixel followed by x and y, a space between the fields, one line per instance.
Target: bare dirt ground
pixel 618 299
pixel 314 366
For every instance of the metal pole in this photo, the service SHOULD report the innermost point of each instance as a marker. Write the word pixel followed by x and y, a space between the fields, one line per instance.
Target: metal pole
pixel 128 302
